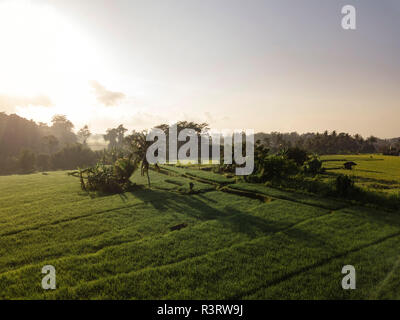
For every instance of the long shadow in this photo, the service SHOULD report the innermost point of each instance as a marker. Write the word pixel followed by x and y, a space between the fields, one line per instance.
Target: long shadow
pixel 198 206
pixel 204 208
pixel 373 215
pixel 373 171
pixel 242 222
pixel 334 168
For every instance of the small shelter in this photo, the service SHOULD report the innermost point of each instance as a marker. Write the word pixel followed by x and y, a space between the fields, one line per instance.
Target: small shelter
pixel 349 165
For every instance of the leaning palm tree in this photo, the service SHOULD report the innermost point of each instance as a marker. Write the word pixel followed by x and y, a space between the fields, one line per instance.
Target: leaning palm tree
pixel 138 147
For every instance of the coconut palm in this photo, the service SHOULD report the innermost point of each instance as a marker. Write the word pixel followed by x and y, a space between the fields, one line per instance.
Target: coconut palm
pixel 138 146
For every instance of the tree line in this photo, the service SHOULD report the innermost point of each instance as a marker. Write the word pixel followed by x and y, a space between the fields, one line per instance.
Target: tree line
pixel 329 143
pixel 26 146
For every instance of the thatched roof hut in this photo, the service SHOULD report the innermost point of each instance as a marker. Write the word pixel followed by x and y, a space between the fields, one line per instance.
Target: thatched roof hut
pixel 349 165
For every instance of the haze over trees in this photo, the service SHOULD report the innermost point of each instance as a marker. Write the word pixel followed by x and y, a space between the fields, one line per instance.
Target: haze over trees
pixel 26 145
pixel 327 143
pixel 84 134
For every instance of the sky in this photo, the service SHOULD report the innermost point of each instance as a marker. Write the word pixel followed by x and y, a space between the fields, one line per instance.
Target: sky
pixel 267 65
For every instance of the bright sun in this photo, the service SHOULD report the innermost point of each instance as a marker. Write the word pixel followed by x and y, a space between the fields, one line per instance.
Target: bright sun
pixel 42 53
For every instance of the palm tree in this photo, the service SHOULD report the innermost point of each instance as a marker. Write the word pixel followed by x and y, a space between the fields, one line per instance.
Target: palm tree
pixel 138 147
pixel 84 134
pixel 120 130
pixel 111 136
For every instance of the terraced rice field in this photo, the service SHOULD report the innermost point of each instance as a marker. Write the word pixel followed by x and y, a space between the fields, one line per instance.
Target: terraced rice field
pixel 373 171
pixel 242 241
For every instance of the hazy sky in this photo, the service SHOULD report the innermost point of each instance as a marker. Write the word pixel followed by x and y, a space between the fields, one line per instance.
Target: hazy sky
pixel 267 65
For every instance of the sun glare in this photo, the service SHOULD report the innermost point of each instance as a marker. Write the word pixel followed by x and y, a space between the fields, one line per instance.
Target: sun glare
pixel 42 53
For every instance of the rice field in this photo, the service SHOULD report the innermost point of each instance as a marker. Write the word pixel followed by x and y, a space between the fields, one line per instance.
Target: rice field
pixel 373 172
pixel 276 245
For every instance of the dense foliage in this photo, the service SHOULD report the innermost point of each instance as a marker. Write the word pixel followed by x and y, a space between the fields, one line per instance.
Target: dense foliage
pixel 274 168
pixel 26 146
pixel 313 166
pixel 344 185
pixel 328 143
pixel 108 178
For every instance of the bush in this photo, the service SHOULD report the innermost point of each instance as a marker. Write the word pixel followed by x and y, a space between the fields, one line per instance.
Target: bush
pixel 313 166
pixel 299 156
pixel 274 168
pixel 344 185
pixel 124 168
pixel 108 178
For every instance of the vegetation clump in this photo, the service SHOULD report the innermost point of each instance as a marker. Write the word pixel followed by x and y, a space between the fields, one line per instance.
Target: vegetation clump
pixel 299 156
pixel 313 166
pixel 274 168
pixel 108 178
pixel 344 185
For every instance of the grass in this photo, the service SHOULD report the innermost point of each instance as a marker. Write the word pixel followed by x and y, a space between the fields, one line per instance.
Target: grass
pixel 234 247
pixel 200 174
pixel 373 172
pixel 171 183
pixel 313 200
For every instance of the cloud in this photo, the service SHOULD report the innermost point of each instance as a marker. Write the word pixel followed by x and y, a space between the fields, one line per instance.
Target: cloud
pixel 104 96
pixel 9 103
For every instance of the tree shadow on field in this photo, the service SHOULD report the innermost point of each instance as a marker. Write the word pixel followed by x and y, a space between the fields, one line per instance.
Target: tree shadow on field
pixel 204 208
pixel 378 217
pixel 372 171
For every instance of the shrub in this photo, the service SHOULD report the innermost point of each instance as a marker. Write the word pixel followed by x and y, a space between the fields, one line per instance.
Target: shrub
pixel 108 178
pixel 299 156
pixel 344 185
pixel 124 168
pixel 313 166
pixel 274 168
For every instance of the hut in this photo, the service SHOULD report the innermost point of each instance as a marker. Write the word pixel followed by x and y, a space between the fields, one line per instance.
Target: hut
pixel 349 165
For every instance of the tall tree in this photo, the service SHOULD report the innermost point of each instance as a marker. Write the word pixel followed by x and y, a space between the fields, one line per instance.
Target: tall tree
pixel 138 146
pixel 51 143
pixel 84 134
pixel 62 129
pixel 111 136
pixel 120 130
